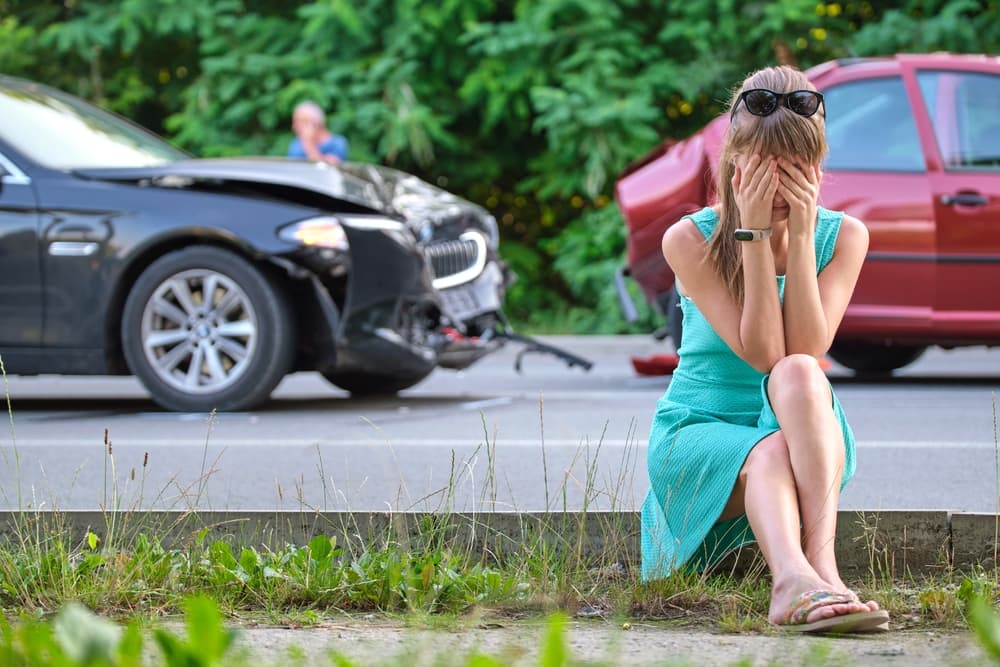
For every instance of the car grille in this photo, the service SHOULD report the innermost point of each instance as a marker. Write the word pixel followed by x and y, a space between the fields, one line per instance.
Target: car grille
pixel 457 261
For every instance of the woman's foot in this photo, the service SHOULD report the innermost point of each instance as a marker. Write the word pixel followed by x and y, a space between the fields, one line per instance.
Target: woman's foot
pixel 835 583
pixel 803 600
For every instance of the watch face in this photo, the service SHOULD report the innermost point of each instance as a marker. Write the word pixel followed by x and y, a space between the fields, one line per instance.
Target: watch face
pixel 743 235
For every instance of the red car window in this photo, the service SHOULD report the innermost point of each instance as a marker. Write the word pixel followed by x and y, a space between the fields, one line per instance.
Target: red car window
pixel 963 110
pixel 870 127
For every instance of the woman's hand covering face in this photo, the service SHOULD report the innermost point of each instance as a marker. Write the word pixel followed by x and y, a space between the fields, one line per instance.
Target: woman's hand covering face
pixel 755 180
pixel 799 185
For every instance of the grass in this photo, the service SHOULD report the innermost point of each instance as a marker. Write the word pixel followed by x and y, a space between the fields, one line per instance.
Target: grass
pixel 436 574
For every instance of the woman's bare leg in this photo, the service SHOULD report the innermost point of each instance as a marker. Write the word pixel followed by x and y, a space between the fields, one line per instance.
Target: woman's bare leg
pixel 800 397
pixel 766 492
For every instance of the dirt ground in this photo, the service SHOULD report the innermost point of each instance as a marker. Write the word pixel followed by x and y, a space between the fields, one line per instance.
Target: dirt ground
pixel 380 642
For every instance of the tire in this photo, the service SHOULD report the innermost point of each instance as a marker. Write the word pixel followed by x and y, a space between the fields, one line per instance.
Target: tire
pixel 873 358
pixel 244 345
pixel 675 318
pixel 364 384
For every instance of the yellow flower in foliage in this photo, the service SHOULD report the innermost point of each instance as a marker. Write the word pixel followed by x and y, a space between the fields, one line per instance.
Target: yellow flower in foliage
pixel 818 34
pixel 831 9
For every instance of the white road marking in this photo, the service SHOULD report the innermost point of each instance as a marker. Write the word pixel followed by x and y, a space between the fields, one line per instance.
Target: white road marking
pixel 487 403
pixel 215 441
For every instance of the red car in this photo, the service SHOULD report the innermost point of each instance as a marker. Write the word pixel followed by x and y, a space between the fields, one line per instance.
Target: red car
pixel 915 154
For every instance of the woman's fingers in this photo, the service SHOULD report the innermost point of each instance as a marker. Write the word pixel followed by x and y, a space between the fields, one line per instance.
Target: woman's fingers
pixel 761 168
pixel 786 192
pixel 776 182
pixel 807 178
pixel 794 187
pixel 769 175
pixel 805 188
pixel 793 171
pixel 748 172
pixel 795 197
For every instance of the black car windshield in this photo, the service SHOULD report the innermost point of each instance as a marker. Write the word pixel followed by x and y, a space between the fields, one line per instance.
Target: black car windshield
pixel 60 131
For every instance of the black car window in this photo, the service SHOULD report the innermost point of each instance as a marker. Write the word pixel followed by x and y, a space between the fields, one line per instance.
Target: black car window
pixel 870 127
pixel 60 131
pixel 10 172
pixel 963 110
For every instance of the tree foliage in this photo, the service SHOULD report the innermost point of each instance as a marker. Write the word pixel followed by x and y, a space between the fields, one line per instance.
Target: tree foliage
pixel 531 108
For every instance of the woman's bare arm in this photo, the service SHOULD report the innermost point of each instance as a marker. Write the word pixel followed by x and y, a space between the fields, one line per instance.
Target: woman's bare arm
pixel 814 308
pixel 754 332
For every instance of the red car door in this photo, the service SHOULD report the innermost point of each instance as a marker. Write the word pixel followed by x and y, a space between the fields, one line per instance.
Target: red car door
pixel 962 107
pixel 876 171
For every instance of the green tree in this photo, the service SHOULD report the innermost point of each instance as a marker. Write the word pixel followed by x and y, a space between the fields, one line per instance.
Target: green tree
pixel 531 108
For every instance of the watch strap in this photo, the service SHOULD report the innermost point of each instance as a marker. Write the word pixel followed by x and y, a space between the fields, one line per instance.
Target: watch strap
pixel 752 234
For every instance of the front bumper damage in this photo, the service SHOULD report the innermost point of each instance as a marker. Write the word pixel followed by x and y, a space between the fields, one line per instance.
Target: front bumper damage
pixel 387 314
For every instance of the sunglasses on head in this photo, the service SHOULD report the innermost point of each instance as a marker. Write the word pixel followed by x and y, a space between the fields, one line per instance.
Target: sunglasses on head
pixel 764 102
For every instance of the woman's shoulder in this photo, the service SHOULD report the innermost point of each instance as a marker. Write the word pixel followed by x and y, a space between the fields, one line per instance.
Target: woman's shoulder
pixel 841 222
pixel 852 231
pixel 685 240
pixel 690 229
pixel 703 220
pixel 842 233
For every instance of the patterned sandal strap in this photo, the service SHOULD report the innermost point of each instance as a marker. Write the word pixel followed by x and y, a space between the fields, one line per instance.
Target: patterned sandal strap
pixel 812 600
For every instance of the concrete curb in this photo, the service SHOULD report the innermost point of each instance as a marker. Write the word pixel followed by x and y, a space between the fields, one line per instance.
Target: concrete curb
pixel 889 544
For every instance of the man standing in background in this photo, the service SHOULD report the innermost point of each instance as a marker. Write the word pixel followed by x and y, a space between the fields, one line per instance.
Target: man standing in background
pixel 312 140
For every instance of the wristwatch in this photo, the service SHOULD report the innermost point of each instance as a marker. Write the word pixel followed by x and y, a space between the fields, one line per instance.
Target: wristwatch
pixel 752 234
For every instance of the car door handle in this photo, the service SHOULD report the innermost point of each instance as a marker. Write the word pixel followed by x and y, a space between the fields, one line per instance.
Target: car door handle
pixel 964 199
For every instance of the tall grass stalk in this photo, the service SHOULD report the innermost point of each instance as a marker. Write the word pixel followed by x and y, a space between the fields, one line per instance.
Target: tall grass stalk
pixel 541 429
pixel 211 421
pixel 13 435
pixel 321 469
pixel 996 478
pixel 110 505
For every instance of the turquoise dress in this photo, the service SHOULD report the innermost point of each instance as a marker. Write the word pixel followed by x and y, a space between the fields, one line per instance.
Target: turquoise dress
pixel 712 414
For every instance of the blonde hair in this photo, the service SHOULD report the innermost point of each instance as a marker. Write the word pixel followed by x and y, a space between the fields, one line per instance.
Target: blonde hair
pixel 783 132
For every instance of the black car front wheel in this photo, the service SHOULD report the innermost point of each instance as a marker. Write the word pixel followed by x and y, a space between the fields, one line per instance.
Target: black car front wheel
pixel 204 329
pixel 366 384
pixel 873 358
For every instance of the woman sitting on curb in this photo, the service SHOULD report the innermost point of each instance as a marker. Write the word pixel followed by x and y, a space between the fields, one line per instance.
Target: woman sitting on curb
pixel 749 443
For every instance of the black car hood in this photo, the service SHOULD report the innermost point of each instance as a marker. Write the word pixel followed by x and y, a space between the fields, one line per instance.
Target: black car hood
pixel 376 187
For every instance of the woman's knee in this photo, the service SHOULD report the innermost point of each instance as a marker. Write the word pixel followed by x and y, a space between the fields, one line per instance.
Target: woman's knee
pixel 798 377
pixel 769 454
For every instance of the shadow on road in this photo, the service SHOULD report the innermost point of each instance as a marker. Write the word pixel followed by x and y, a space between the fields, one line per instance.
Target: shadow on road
pixel 65 408
pixel 915 380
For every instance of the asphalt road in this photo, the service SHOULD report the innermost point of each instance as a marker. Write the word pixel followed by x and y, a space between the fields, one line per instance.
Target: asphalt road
pixel 482 439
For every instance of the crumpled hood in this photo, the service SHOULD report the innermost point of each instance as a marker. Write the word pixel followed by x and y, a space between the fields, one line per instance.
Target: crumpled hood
pixel 379 188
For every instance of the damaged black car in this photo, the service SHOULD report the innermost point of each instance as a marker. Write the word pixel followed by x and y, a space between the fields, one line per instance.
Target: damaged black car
pixel 210 280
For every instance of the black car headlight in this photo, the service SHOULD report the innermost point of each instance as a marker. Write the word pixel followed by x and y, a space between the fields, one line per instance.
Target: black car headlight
pixel 322 232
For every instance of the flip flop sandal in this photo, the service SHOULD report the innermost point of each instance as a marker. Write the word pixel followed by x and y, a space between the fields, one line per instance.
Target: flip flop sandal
pixel 884 627
pixel 862 621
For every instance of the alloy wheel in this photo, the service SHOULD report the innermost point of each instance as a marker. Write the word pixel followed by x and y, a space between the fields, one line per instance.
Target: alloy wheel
pixel 199 331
